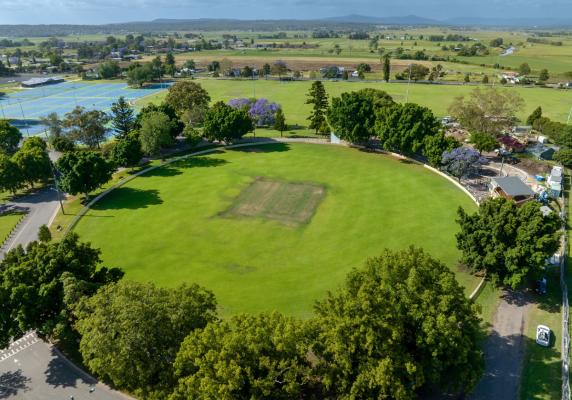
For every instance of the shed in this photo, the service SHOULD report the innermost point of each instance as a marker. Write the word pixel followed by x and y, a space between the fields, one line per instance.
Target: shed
pixel 511 187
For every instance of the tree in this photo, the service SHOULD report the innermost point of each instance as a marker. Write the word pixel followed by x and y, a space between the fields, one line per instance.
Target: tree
pixel 386 67
pixel 353 115
pixel 122 117
pixel 563 156
pixel 484 141
pixel 108 69
pixel 543 76
pixel 467 78
pixel 415 72
pixel 176 126
pixel 40 285
pixel 86 127
pixel 82 172
pixel 488 111
pixel 10 137
pixel 10 175
pixel 34 164
pixel 155 132
pixel 225 123
pixel 280 122
pixel 189 64
pixel 508 242
pixel 434 147
pixel 127 152
pixel 319 99
pixel 462 161
pixel 534 116
pixel 279 68
pixel 54 124
pixel 139 74
pixel 186 96
pixel 524 69
pixel 263 112
pixel 496 42
pixel 44 234
pixel 266 69
pixel 403 128
pixel 170 67
pixel 131 332
pixel 248 357
pixel 398 326
pixel 485 79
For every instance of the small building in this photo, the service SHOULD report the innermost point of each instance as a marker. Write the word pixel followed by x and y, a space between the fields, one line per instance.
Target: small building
pixel 511 187
pixel 554 181
pixel 35 82
pixel 511 144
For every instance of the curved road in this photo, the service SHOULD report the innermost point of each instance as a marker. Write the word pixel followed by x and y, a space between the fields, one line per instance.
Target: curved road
pixel 31 369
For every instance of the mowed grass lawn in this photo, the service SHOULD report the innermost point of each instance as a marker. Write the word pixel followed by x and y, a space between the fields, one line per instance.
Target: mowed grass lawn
pixel 7 223
pixel 292 95
pixel 173 224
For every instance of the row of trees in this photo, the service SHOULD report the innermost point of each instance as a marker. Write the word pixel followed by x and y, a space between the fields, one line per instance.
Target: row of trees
pixel 360 116
pixel 400 327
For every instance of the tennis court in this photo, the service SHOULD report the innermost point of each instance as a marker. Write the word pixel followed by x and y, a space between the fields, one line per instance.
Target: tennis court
pixel 27 106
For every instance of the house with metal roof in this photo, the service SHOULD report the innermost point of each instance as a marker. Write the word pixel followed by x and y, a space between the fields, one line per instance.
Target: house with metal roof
pixel 511 187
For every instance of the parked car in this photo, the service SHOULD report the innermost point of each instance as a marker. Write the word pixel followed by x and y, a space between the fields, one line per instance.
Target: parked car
pixel 543 335
pixel 540 286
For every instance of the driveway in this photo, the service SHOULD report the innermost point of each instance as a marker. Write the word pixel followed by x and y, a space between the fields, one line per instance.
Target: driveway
pixel 504 350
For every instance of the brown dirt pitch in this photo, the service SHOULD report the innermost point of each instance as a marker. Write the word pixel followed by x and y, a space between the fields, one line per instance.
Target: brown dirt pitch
pixel 291 203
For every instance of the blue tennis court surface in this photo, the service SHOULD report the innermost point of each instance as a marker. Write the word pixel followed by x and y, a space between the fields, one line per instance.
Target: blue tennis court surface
pixel 27 106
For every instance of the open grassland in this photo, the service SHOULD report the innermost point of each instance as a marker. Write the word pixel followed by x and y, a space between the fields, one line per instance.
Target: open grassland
pixel 167 226
pixel 292 95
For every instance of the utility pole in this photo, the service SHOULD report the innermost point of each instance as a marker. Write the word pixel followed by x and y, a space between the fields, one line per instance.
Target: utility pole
pixel 408 82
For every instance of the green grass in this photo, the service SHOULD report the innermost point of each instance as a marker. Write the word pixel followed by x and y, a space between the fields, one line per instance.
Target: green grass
pixel 167 226
pixel 292 95
pixel 7 223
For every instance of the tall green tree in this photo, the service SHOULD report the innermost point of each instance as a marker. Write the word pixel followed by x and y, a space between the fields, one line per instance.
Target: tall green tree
pixel 509 243
pixel 399 326
pixel 127 152
pixel 563 156
pixel 524 69
pixel 189 99
pixel 386 67
pixel 249 357
pixel 34 164
pixel 225 123
pixel 353 115
pixel 131 332
pixel 155 132
pixel 86 127
pixel 122 117
pixel 82 172
pixel 280 121
pixel 176 126
pixel 108 69
pixel 10 137
pixel 434 147
pixel 543 76
pixel 10 175
pixel 170 67
pixel 40 285
pixel 403 128
pixel 534 116
pixel 484 141
pixel 54 125
pixel 318 98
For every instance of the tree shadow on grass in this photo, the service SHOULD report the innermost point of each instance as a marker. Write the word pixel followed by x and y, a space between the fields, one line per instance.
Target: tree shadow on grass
pixel 129 198
pixel 201 162
pixel 12 382
pixel 267 148
pixel 166 171
pixel 60 374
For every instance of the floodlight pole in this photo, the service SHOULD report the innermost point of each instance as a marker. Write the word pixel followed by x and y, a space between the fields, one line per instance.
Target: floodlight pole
pixel 24 117
pixel 569 115
pixel 408 82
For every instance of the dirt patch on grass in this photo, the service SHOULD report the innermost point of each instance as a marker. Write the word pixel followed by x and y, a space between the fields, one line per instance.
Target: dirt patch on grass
pixel 288 202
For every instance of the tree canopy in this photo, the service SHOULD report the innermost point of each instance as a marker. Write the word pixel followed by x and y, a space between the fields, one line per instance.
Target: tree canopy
pixel 82 172
pixel 403 128
pixel 353 114
pixel 400 325
pixel 484 141
pixel 155 132
pixel 40 285
pixel 508 242
pixel 131 332
pixel 122 117
pixel 248 357
pixel 226 123
pixel 186 96
pixel 10 137
pixel 86 127
pixel 489 111
pixel 318 98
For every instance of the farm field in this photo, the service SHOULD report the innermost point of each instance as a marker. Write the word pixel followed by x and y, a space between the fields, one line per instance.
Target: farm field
pixel 180 223
pixel 556 104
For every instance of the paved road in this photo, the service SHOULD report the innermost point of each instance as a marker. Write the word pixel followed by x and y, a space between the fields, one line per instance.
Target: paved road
pixel 504 350
pixel 30 368
pixel 42 206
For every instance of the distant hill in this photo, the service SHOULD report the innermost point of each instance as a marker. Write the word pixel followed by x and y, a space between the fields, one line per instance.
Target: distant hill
pixel 509 22
pixel 404 20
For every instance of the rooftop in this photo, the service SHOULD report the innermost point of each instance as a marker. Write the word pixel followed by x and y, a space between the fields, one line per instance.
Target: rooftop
pixel 512 186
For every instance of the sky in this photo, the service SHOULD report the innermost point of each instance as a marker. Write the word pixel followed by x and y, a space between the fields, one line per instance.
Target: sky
pixel 109 11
